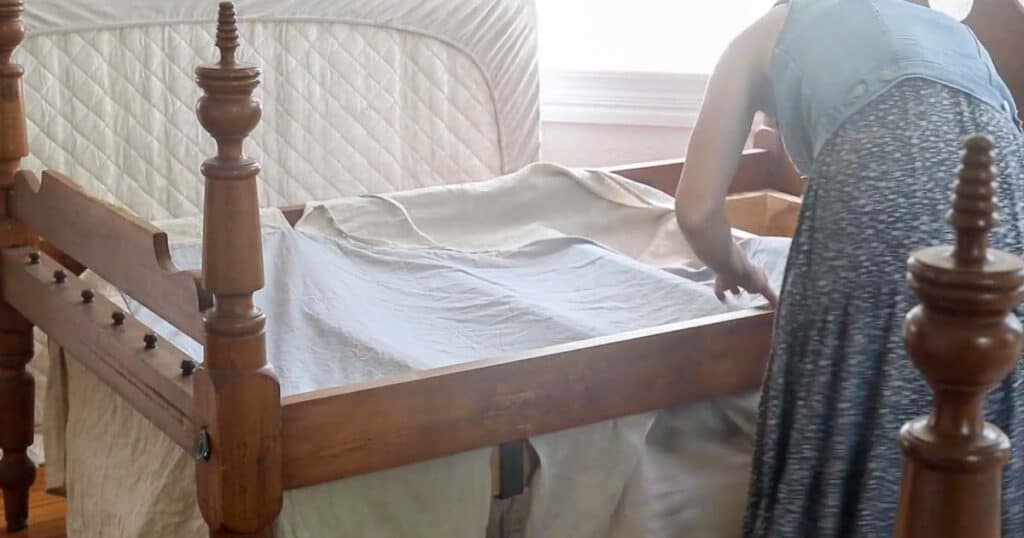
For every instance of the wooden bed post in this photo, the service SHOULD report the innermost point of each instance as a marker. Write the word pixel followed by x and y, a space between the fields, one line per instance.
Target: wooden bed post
pixel 237 395
pixel 965 338
pixel 17 387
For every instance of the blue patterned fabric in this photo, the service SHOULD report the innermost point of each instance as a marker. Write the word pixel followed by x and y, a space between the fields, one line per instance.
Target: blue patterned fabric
pixel 839 384
pixel 835 56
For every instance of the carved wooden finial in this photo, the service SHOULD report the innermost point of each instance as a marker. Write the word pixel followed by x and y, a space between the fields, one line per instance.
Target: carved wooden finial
pixel 228 111
pixel 13 132
pixel 973 212
pixel 964 337
pixel 227 33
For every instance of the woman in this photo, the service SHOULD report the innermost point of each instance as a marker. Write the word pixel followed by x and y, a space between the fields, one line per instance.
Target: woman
pixel 873 99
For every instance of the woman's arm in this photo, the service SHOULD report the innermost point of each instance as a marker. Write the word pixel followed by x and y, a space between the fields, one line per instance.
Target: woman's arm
pixel 737 89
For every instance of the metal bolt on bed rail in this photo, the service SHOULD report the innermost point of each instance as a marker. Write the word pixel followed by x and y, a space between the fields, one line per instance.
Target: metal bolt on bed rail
pixel 33 258
pixel 202 449
pixel 118 317
pixel 149 340
pixel 59 276
pixel 187 367
pixel 88 296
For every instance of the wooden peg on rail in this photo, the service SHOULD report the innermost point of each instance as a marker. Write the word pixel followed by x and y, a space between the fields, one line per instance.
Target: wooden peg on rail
pixel 964 337
pixel 237 395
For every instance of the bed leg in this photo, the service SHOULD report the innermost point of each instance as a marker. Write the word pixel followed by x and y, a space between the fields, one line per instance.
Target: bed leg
pixel 17 394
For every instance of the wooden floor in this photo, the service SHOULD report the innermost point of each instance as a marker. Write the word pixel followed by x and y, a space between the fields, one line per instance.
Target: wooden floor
pixel 45 514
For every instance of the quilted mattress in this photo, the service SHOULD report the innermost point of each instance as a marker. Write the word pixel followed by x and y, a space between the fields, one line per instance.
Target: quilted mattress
pixel 360 96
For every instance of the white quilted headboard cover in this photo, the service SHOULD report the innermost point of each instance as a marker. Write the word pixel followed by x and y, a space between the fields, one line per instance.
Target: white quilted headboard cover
pixel 359 96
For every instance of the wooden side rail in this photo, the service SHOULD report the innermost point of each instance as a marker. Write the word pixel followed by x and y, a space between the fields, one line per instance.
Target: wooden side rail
pixel 119 350
pixel 127 251
pixel 766 166
pixel 765 213
pixel 360 428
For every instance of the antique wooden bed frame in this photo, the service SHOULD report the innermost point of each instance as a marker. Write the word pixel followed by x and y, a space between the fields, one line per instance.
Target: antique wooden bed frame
pixel 250 444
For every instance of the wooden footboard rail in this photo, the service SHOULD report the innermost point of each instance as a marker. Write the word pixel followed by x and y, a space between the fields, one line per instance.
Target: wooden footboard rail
pixel 494 401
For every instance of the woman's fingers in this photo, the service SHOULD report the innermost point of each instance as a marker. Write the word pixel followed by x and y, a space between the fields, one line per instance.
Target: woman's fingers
pixel 760 285
pixel 769 293
pixel 719 290
pixel 754 281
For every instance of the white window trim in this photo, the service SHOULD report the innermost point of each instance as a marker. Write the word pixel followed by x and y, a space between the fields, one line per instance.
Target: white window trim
pixel 622 98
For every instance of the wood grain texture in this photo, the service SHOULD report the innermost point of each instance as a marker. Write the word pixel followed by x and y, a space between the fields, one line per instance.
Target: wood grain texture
pixel 335 433
pixel 237 395
pixel 764 213
pixel 14 129
pixel 756 171
pixel 17 409
pixel 126 250
pixel 965 338
pixel 150 380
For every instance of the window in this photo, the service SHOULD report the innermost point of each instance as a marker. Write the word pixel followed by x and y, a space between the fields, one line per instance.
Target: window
pixel 633 62
pixel 641 62
pixel 657 36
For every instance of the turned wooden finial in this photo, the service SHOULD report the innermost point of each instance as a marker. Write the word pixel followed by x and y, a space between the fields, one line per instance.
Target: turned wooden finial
pixel 227 33
pixel 973 211
pixel 228 111
pixel 964 338
pixel 13 137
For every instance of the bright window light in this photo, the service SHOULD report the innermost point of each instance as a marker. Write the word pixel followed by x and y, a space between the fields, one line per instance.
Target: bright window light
pixel 660 36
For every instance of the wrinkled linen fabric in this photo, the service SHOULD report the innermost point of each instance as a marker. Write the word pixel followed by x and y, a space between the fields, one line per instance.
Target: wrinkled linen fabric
pixel 550 277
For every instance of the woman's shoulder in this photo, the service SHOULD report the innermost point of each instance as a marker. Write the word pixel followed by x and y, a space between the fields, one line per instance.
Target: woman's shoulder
pixel 757 42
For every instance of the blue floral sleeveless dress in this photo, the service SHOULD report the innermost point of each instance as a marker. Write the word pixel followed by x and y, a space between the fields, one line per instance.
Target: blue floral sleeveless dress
pixel 840 385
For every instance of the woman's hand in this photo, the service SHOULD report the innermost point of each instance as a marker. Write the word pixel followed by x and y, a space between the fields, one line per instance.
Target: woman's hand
pixel 739 274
